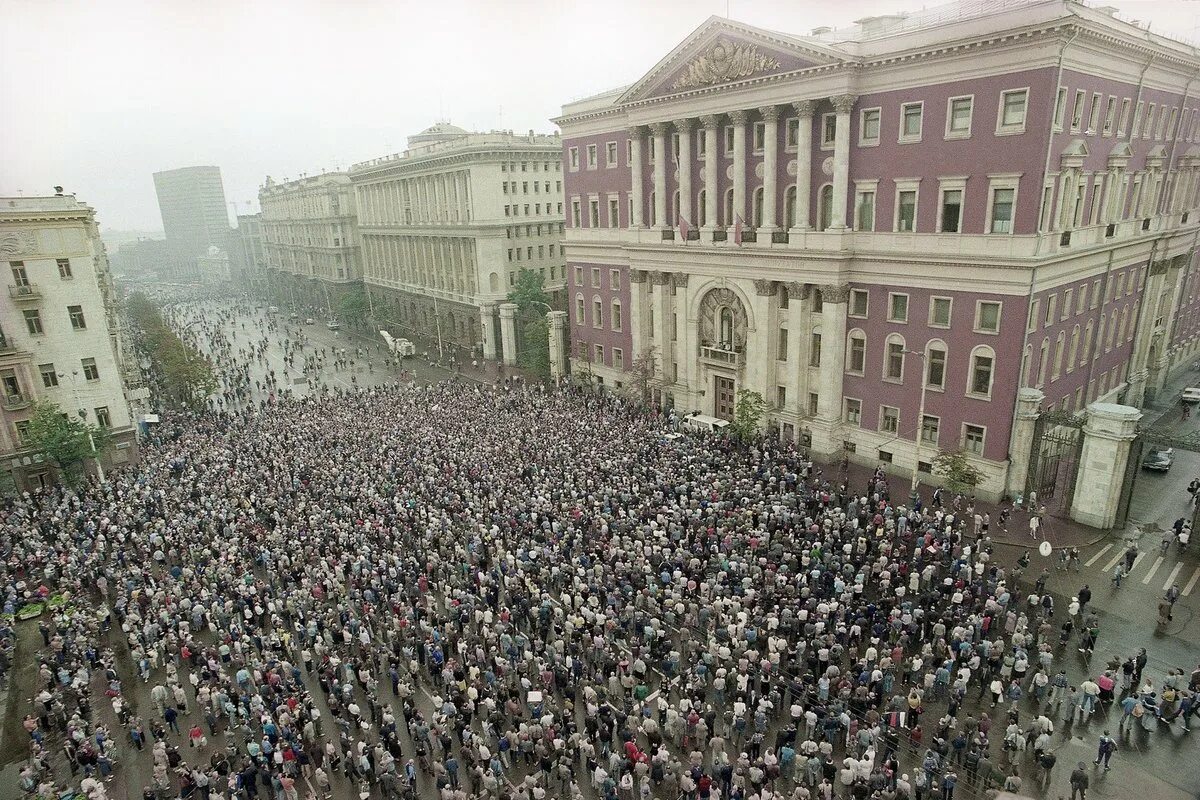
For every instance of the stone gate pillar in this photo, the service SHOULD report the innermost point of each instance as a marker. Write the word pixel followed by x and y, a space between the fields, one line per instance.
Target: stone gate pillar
pixel 557 324
pixel 1109 430
pixel 487 317
pixel 508 333
pixel 1029 406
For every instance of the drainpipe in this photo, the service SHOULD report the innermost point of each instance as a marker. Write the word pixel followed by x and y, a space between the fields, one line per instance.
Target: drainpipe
pixel 1050 142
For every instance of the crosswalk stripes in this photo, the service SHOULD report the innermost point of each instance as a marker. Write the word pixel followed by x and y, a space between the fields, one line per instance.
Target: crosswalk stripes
pixel 1096 557
pixel 1150 575
pixel 1171 579
pixel 1191 584
pixel 1108 567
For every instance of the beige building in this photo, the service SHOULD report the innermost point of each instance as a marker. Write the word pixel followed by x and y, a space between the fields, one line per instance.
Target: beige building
pixel 59 334
pixel 310 239
pixel 448 224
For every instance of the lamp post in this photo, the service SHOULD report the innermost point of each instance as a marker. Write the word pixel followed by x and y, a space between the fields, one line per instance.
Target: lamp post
pixel 920 417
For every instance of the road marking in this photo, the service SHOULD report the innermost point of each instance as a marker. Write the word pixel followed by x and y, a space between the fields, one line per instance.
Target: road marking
pixel 1136 561
pixel 1096 557
pixel 1157 563
pixel 1120 555
pixel 1192 583
pixel 1171 579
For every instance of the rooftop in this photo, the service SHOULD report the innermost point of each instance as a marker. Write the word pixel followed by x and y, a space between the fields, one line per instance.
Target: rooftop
pixel 447 139
pixel 20 206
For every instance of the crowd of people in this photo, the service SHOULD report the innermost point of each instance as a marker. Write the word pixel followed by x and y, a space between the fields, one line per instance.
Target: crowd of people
pixel 458 590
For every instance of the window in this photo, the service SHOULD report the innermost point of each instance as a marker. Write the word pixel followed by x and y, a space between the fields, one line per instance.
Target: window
pixel 598 353
pixel 889 419
pixel 868 127
pixel 791 127
pixel 1060 107
pixel 814 350
pixel 864 210
pixel 49 376
pixel 987 316
pixel 897 307
pixel 781 347
pixel 760 136
pixel 906 210
pixel 573 157
pixel 910 122
pixel 1110 113
pixel 1094 113
pixel 958 117
pixel 615 315
pixel 1068 297
pixel 22 427
pixel 595 277
pixel 1077 109
pixel 1136 127
pixel 576 220
pixel 103 419
pixel 856 353
pixel 64 268
pixel 853 411
pixel 951 217
pixel 973 438
pixel 578 309
pixel 1123 120
pixel 614 214
pixel 929 429
pixel 728 140
pixel 578 273
pixel 597 313
pixel 1148 128
pixel 614 279
pixel 814 403
pixel 935 366
pixel 1001 216
pixel 77 320
pixel 858 302
pixel 780 396
pixel 610 152
pixel 89 369
pixel 828 130
pixel 1012 111
pixel 893 365
pixel 594 213
pixel 982 361
pixel 33 322
pixel 1051 307
pixel 618 359
pixel 939 312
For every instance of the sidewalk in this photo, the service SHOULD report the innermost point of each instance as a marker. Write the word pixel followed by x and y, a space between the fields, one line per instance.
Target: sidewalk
pixel 1166 403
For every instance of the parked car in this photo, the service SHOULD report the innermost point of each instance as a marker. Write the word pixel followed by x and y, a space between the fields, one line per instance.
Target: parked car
pixel 1191 394
pixel 698 423
pixel 1159 460
pixel 333 325
pixel 309 321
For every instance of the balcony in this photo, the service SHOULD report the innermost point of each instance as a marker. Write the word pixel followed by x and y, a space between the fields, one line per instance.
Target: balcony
pixel 722 356
pixel 16 401
pixel 25 291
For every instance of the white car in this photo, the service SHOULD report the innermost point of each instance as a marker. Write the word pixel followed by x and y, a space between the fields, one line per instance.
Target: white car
pixel 333 325
pixel 1191 394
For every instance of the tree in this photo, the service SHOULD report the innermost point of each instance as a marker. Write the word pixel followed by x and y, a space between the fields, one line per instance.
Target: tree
pixel 186 374
pixel 747 413
pixel 956 469
pixel 63 440
pixel 353 308
pixel 642 376
pixel 533 351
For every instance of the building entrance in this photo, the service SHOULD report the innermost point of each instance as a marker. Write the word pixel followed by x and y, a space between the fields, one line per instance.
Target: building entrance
pixel 723 406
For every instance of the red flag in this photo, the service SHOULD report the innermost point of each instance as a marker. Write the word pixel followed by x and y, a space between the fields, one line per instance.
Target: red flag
pixel 683 228
pixel 737 229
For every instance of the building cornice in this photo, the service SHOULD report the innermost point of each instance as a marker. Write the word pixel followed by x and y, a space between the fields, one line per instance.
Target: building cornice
pixel 485 153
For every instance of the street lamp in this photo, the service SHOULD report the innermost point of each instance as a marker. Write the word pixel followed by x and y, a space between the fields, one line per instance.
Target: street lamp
pixel 920 417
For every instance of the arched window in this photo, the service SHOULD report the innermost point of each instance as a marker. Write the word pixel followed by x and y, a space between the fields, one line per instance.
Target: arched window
pixel 597 312
pixel 728 207
pixel 615 315
pixel 893 358
pixel 725 327
pixel 1060 345
pixel 1043 362
pixel 1088 335
pixel 1134 318
pixel 856 352
pixel 983 370
pixel 702 208
pixel 935 364
pixel 1073 353
pixel 789 206
pixel 826 210
pixel 494 282
pixel 1025 362
pixel 758 207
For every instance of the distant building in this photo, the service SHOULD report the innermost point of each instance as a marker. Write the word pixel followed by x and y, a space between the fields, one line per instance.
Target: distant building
pixel 214 267
pixel 59 336
pixel 192 203
pixel 909 236
pixel 447 225
pixel 310 239
pixel 248 254
pixel 142 258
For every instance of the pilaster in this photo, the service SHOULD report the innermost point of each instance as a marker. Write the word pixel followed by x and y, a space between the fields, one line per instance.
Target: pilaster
pixel 804 109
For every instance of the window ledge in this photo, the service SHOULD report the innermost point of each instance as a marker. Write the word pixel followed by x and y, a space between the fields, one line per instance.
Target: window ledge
pixel 956 135
pixel 1012 131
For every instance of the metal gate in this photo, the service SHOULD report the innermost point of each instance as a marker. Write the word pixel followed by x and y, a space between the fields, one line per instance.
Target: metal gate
pixel 1054 461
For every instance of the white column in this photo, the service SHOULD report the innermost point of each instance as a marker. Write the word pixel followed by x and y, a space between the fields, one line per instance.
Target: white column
pixel 770 115
pixel 841 159
pixel 508 333
pixel 556 321
pixel 1029 407
pixel 804 109
pixel 712 158
pixel 833 347
pixel 760 358
pixel 685 128
pixel 661 159
pixel 795 370
pixel 662 327
pixel 637 137
pixel 1109 430
pixel 738 118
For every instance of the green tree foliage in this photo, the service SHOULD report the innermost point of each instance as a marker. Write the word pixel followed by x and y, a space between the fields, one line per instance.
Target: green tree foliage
pixel 747 413
pixel 956 469
pixel 186 374
pixel 533 352
pixel 353 308
pixel 63 440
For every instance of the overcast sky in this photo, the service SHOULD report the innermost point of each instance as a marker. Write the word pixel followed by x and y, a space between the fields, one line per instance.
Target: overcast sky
pixel 96 96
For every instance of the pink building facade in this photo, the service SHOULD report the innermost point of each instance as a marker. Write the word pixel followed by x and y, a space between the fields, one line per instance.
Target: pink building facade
pixel 889 230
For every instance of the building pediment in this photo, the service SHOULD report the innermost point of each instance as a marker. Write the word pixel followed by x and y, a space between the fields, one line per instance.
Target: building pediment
pixel 1073 156
pixel 724 52
pixel 1119 155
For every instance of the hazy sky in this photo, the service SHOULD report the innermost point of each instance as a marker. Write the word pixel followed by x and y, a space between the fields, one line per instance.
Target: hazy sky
pixel 96 96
